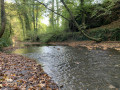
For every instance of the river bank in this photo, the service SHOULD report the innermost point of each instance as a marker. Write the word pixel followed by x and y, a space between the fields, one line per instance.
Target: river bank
pixel 21 73
pixel 91 44
pixel 77 68
pixel 88 44
pixel 18 72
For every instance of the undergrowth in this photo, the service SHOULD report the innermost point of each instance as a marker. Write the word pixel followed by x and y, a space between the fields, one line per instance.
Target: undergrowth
pixel 105 34
pixel 5 41
pixel 60 36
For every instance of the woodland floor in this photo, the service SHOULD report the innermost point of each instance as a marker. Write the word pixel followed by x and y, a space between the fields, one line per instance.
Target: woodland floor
pixel 91 44
pixel 21 73
pixel 88 44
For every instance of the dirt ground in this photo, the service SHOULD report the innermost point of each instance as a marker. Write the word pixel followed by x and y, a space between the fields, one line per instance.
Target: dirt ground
pixel 91 44
pixel 88 44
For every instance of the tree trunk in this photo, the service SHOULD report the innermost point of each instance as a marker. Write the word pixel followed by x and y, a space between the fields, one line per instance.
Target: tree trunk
pixel 10 26
pixel 77 25
pixel 21 20
pixel 36 29
pixel 33 39
pixel 22 24
pixel 53 14
pixel 57 3
pixel 83 14
pixel 26 16
pixel 3 20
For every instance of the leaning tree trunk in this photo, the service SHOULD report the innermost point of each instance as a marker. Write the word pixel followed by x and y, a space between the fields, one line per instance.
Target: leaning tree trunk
pixel 3 20
pixel 77 25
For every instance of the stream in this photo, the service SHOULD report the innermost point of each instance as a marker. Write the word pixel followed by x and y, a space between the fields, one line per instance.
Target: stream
pixel 78 68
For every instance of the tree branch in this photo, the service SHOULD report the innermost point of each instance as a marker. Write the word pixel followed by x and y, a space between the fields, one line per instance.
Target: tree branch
pixel 77 25
pixel 52 10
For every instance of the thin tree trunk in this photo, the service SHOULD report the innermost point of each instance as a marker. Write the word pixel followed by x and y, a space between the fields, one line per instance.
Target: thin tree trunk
pixel 22 24
pixel 10 26
pixel 53 14
pixel 34 15
pixel 57 3
pixel 36 18
pixel 21 20
pixel 26 17
pixel 3 19
pixel 83 14
pixel 36 29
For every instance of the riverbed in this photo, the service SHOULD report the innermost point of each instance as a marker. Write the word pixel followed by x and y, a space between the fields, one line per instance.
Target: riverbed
pixel 77 68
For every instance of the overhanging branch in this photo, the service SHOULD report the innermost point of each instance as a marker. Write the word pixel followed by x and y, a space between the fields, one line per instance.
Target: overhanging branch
pixel 77 25
pixel 52 10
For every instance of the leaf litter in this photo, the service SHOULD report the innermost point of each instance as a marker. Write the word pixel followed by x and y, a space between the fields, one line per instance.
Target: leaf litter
pixel 21 73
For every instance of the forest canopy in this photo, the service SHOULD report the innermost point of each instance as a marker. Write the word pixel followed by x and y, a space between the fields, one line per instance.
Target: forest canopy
pixel 57 20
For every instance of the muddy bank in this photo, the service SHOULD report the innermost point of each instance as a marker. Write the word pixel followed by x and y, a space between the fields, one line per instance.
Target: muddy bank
pixel 91 44
pixel 21 73
pixel 88 44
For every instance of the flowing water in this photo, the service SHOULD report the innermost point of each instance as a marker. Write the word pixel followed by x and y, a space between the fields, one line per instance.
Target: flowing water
pixel 78 68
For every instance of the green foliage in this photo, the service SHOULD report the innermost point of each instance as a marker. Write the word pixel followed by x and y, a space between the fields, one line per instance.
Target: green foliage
pixel 107 34
pixel 6 39
pixel 61 36
pixel 97 14
pixel 4 42
pixel 25 16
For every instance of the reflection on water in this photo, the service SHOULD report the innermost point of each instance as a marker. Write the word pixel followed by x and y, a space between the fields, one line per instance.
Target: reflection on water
pixel 78 69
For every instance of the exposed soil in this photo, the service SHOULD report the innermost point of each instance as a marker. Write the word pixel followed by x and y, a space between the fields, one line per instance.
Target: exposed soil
pixel 88 44
pixel 21 73
pixel 91 44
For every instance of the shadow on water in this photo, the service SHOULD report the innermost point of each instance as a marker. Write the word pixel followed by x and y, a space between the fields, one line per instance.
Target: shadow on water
pixel 78 68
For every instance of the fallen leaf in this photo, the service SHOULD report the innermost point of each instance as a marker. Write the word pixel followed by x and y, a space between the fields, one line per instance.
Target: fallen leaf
pixel 111 86
pixel 1 85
